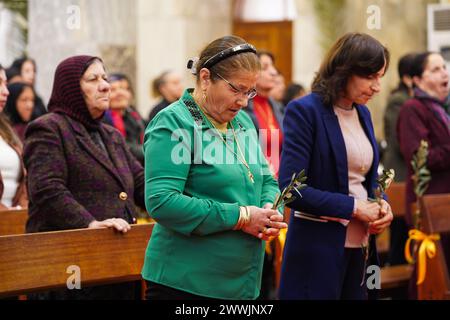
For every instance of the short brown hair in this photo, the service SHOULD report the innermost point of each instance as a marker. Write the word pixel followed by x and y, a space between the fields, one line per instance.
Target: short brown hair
pixel 158 82
pixel 261 53
pixel 247 61
pixel 353 54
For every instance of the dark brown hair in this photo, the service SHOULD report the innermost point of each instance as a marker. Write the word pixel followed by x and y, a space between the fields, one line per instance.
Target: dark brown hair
pixel 266 53
pixel 247 61
pixel 404 68
pixel 18 63
pixel 6 131
pixel 419 63
pixel 353 54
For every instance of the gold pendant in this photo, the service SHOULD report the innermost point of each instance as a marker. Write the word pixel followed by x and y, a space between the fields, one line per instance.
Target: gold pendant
pixel 252 178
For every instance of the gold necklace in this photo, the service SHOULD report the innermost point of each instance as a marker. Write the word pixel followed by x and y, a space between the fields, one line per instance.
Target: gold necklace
pixel 244 162
pixel 242 158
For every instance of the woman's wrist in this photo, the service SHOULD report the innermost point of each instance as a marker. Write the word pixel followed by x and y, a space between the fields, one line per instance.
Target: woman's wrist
pixel 355 208
pixel 244 218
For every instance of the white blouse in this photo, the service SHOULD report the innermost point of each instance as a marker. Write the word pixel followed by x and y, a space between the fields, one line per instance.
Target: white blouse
pixel 10 170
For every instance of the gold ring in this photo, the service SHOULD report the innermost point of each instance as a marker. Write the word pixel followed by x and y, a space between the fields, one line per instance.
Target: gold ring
pixel 264 230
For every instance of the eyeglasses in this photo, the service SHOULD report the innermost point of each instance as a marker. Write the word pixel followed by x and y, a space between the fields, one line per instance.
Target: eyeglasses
pixel 250 94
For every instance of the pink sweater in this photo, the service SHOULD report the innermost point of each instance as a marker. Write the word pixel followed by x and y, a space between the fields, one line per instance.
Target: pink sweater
pixel 359 159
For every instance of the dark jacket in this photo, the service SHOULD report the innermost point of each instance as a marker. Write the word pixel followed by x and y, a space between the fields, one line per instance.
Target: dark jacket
pixel 418 121
pixel 134 128
pixel 314 251
pixel 72 181
pixel 39 107
pixel 157 108
pixel 392 157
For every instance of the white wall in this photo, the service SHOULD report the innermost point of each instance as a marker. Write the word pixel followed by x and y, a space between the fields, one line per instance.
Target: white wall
pixel 103 23
pixel 169 32
pixel 307 53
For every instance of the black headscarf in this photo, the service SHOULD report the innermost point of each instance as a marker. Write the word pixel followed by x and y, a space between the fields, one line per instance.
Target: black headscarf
pixel 67 97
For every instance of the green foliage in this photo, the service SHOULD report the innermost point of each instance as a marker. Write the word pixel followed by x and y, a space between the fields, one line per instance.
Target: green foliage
pixel 422 175
pixel 20 6
pixel 421 178
pixel 290 193
pixel 330 18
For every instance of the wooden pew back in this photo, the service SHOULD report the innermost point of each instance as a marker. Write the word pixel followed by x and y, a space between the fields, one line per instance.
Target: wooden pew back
pixel 396 197
pixel 13 222
pixel 436 219
pixel 40 261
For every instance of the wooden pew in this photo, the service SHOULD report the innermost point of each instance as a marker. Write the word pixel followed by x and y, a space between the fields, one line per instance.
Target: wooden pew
pixel 396 195
pixel 13 221
pixel 394 279
pixel 37 262
pixel 436 219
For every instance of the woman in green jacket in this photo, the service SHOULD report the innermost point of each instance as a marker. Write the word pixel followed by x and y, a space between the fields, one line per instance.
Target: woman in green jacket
pixel 208 185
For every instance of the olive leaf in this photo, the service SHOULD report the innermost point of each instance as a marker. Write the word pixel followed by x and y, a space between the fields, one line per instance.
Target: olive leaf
pixel 422 175
pixel 421 178
pixel 290 193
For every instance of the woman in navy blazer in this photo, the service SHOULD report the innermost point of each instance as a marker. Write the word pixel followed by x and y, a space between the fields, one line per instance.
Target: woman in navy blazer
pixel 317 264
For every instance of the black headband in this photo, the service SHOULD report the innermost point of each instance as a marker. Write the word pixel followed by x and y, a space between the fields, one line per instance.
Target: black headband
pixel 245 47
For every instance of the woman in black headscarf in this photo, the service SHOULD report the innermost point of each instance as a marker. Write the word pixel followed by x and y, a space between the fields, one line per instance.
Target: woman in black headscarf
pixel 81 174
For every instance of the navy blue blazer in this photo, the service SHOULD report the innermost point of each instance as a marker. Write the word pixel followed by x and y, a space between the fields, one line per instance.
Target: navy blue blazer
pixel 314 251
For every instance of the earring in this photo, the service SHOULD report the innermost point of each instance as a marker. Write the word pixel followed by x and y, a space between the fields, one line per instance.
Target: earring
pixel 204 96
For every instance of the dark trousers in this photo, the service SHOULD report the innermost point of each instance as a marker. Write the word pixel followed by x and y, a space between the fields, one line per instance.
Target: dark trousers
pixel 397 242
pixel 268 280
pixel 156 291
pixel 352 275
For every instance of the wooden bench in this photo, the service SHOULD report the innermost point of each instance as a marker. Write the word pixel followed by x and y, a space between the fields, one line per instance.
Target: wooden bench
pixel 394 279
pixel 13 222
pixel 396 195
pixel 436 219
pixel 37 262
pixel 396 276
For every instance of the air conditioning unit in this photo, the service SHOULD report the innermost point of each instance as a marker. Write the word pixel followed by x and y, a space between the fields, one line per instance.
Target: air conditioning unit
pixel 439 30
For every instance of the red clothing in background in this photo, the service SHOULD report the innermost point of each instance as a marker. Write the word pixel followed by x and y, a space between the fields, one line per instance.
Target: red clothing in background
pixel 267 120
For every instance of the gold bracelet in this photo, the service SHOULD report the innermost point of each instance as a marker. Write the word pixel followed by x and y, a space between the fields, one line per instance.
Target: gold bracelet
pixel 247 216
pixel 240 221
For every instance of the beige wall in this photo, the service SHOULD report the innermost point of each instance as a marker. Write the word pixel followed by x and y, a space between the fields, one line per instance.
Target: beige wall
pixel 307 51
pixel 403 29
pixel 169 32
pixel 101 32
pixel 138 37
pixel 145 37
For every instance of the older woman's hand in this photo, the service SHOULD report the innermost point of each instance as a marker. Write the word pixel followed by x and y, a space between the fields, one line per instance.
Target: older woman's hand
pixel 264 223
pixel 386 217
pixel 116 223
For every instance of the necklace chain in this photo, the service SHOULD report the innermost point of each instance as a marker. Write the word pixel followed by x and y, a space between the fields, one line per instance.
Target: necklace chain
pixel 241 158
